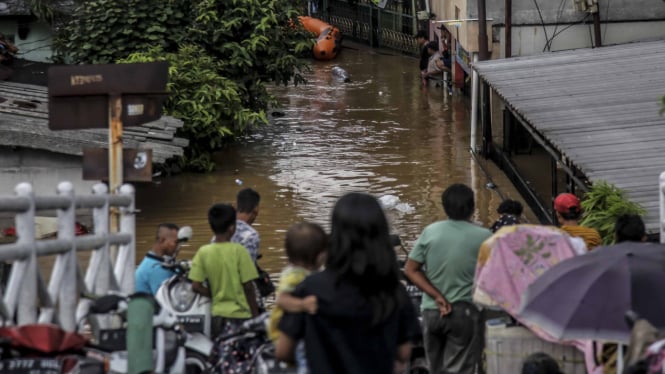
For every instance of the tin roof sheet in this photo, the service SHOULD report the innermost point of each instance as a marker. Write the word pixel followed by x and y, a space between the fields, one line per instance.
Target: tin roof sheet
pixel 598 107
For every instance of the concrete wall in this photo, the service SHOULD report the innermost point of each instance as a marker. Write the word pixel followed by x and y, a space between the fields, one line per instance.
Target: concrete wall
pixel 525 12
pixel 36 46
pixel 41 168
pixel 629 21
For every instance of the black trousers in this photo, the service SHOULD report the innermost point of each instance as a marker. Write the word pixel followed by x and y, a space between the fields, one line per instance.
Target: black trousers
pixel 454 343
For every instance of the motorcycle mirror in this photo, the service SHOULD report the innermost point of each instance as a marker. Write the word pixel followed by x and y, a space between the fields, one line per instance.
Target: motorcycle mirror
pixel 184 234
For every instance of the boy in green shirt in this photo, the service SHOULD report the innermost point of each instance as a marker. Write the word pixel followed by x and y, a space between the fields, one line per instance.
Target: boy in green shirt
pixel 229 270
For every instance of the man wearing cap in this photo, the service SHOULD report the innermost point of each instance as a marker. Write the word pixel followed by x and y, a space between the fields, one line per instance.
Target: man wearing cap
pixel 568 213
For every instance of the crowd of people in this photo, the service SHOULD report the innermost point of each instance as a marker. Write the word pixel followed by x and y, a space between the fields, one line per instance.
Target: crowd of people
pixel 340 305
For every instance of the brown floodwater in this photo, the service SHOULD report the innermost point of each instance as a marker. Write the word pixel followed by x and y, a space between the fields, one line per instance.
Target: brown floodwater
pixel 382 133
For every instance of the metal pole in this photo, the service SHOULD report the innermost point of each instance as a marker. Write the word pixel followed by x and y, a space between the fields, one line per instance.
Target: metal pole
pixel 24 273
pixel 69 290
pixel 662 207
pixel 126 261
pixel 482 31
pixel 509 29
pixel 474 104
pixel 97 277
pixel 596 28
pixel 115 157
pixel 486 119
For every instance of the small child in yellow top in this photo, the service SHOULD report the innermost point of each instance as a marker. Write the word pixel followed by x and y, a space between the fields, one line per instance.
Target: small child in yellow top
pixel 305 248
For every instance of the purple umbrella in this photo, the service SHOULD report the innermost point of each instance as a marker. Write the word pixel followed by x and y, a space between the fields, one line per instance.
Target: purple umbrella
pixel 586 297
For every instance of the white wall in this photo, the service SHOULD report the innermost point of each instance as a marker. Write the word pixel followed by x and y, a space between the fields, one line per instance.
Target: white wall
pixel 36 46
pixel 530 40
pixel 41 168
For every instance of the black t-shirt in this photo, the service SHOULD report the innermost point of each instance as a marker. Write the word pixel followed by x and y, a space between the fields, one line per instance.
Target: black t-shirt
pixel 424 57
pixel 340 338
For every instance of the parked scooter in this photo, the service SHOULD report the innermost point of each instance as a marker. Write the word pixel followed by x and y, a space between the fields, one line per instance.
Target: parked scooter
pixel 247 349
pixel 175 350
pixel 418 362
pixel 45 349
pixel 177 296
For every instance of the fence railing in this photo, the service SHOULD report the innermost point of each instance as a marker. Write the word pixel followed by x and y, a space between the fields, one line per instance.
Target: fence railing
pixel 391 27
pixel 27 298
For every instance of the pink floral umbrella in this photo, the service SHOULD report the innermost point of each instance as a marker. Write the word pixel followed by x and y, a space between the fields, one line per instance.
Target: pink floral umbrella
pixel 510 260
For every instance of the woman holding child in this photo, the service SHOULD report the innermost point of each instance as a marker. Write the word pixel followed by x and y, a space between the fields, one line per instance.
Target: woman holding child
pixel 364 321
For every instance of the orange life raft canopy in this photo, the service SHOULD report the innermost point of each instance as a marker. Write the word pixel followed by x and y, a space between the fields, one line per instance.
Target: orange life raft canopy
pixel 329 38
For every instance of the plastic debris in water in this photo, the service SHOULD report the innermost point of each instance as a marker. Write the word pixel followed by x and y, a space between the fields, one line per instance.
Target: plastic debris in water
pixel 388 201
pixel 238 182
pixel 340 74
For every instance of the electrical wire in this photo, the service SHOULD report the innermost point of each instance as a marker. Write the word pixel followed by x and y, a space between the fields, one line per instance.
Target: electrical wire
pixel 607 18
pixel 548 43
pixel 542 21
pixel 22 52
pixel 571 25
pixel 36 41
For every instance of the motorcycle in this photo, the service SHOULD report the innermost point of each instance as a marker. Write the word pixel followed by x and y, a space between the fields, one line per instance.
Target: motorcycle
pixel 45 349
pixel 175 351
pixel 418 362
pixel 176 295
pixel 247 349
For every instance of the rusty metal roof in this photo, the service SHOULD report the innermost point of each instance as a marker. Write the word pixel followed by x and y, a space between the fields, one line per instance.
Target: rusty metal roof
pixel 598 107
pixel 14 8
pixel 24 123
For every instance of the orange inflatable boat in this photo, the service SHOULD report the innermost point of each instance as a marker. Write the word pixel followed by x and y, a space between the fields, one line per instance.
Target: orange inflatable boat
pixel 329 38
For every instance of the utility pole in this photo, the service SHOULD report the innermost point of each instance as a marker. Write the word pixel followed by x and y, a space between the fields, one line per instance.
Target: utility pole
pixel 596 25
pixel 482 31
pixel 509 28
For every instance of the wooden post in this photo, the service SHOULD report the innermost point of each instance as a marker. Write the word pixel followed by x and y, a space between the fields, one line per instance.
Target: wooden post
pixel 115 160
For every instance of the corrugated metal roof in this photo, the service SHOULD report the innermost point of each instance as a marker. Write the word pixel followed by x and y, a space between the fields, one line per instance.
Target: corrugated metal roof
pixel 599 108
pixel 14 8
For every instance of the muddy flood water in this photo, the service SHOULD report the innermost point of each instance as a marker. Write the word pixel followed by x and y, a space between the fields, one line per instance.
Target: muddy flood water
pixel 382 133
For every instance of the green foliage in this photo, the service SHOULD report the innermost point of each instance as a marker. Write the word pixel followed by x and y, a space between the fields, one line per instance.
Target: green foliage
pixel 50 11
pixel 103 31
pixel 222 54
pixel 603 204
pixel 209 104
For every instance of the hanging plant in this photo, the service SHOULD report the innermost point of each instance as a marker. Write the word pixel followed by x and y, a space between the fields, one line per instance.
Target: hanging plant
pixel 602 205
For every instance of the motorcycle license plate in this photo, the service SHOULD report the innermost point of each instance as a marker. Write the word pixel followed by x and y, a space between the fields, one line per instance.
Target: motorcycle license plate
pixel 192 323
pixel 30 366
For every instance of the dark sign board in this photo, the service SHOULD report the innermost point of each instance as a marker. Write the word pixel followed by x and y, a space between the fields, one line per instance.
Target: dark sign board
pixel 79 94
pixel 136 164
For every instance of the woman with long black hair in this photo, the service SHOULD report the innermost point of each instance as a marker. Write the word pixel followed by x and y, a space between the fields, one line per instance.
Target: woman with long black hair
pixel 365 321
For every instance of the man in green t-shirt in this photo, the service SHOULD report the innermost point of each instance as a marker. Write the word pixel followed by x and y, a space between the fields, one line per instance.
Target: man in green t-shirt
pixel 229 270
pixel 443 264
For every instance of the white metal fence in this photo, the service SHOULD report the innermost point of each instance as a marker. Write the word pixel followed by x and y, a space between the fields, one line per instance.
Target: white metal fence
pixel 27 298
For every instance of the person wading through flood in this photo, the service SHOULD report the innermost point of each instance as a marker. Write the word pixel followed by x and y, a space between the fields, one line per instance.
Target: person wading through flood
pixel 443 264
pixel 423 39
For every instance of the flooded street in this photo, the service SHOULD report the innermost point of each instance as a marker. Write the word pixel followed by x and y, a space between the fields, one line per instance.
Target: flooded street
pixel 382 133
